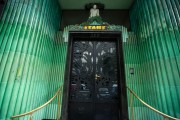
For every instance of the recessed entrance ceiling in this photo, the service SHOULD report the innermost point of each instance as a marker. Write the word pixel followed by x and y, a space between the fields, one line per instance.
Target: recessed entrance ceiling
pixel 109 4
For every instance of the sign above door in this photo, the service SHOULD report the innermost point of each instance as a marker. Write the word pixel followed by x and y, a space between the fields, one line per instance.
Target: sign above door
pixel 95 23
pixel 95 27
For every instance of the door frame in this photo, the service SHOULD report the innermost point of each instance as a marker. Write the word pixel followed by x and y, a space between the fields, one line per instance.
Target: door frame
pixel 122 83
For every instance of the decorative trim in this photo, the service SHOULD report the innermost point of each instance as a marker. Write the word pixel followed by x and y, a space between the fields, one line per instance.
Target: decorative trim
pixel 95 21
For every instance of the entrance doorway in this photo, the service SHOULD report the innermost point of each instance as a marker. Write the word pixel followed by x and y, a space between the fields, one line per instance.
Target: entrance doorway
pixel 96 86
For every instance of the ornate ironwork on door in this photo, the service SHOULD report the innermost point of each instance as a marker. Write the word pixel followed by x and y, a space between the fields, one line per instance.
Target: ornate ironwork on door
pixel 82 72
pixel 93 82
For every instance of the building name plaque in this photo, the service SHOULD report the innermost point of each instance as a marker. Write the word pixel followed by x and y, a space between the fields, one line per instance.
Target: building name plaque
pixel 95 27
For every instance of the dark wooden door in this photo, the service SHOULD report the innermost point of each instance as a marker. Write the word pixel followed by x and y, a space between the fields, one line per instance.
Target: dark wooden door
pixel 93 93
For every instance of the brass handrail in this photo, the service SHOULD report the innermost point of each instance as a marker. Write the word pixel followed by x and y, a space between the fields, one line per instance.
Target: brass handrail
pixel 42 106
pixel 147 105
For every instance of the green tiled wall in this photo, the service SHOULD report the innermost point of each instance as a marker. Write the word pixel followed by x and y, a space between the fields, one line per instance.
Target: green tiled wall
pixel 29 54
pixel 155 56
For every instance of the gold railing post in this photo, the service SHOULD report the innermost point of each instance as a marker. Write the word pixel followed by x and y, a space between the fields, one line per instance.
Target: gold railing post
pixel 132 93
pixel 58 109
pixel 131 106
pixel 31 116
pixel 42 106
pixel 164 117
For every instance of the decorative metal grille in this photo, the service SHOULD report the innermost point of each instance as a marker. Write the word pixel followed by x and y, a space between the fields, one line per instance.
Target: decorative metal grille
pixel 94 72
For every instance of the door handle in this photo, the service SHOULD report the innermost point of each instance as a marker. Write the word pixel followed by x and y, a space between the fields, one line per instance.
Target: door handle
pixel 97 77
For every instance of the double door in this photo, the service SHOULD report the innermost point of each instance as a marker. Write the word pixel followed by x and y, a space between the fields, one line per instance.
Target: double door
pixel 93 90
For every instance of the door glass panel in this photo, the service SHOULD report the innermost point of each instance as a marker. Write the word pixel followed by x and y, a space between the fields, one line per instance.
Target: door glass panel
pixel 106 72
pixel 93 81
pixel 82 71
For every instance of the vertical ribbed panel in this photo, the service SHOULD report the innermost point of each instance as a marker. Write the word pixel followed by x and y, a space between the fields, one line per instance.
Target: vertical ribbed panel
pixel 27 35
pixel 132 54
pixel 57 73
pixel 155 57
